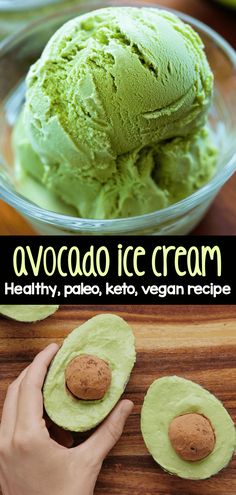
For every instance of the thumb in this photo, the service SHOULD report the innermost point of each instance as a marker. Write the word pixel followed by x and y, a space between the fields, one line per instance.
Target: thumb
pixel 108 434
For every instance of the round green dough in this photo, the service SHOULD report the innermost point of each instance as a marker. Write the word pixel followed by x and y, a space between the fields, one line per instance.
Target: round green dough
pixel 29 313
pixel 108 337
pixel 173 396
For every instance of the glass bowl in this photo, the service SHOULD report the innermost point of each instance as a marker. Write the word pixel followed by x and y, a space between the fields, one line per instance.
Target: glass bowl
pixel 16 55
pixel 15 14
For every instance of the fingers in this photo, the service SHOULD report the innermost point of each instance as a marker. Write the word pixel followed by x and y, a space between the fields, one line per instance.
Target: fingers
pixel 107 435
pixel 9 413
pixel 30 399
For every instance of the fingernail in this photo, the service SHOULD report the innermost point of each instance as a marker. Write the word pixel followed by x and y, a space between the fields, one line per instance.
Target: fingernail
pixel 128 405
pixel 53 344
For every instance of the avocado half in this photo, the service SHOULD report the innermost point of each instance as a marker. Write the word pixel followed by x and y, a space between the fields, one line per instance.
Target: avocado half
pixel 107 337
pixel 170 397
pixel 27 314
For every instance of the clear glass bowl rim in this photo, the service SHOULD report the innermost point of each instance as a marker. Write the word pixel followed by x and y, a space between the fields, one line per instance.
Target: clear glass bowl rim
pixel 16 5
pixel 32 211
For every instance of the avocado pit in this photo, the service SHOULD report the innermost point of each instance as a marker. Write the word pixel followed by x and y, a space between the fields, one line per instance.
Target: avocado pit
pixel 88 377
pixel 192 436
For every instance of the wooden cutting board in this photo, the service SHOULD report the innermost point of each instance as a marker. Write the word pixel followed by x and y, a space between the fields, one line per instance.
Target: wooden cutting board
pixel 198 343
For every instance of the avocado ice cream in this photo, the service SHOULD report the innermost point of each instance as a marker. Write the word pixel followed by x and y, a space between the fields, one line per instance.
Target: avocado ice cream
pixel 27 313
pixel 76 397
pixel 167 402
pixel 114 123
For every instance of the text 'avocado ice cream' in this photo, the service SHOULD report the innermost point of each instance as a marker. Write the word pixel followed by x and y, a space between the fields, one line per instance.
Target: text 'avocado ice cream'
pixel 115 116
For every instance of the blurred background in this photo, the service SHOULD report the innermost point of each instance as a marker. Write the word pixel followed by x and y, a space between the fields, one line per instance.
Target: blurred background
pixel 218 14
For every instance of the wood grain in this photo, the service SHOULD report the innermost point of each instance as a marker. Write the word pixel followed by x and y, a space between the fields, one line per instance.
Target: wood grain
pixel 198 343
pixel 221 218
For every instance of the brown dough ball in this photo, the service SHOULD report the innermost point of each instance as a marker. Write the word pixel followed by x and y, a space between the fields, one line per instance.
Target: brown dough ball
pixel 192 436
pixel 88 377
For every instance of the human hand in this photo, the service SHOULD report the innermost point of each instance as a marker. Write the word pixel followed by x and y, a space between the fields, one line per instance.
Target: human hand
pixel 31 462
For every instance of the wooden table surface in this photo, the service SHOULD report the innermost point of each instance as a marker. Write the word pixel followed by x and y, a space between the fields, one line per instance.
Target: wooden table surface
pixel 198 343
pixel 221 218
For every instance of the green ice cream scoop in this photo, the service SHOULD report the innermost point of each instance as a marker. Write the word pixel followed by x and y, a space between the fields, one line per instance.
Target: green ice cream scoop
pixel 111 90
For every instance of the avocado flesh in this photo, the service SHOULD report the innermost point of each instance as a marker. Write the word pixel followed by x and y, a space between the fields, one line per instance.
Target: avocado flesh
pixel 108 337
pixel 29 313
pixel 173 396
